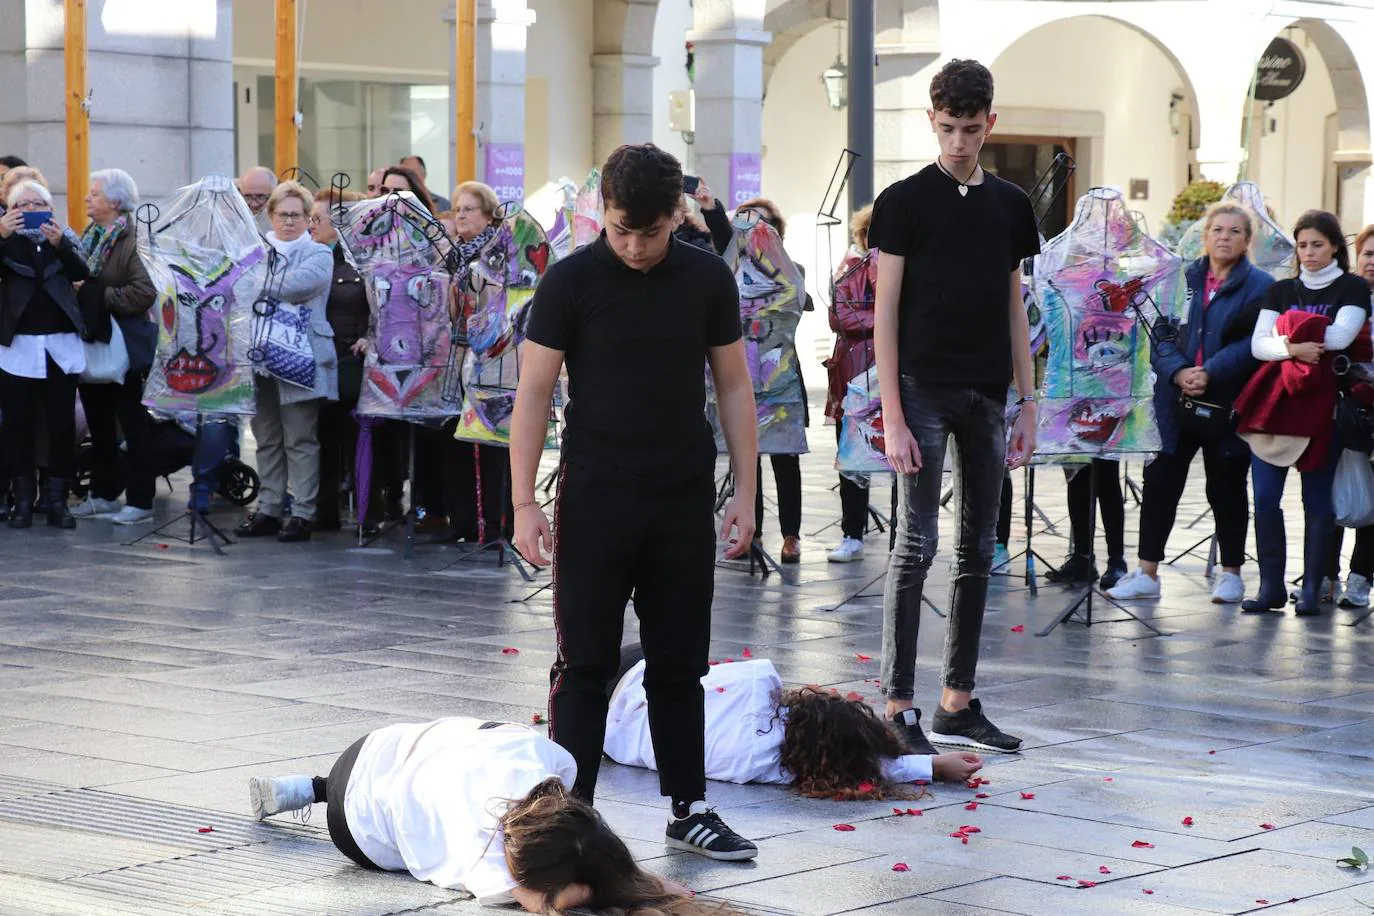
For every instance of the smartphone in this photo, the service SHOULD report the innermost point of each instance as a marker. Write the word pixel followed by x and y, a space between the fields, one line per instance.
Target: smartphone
pixel 34 219
pixel 690 183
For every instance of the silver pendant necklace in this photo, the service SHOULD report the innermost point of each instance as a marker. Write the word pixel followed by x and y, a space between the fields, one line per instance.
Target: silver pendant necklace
pixel 963 185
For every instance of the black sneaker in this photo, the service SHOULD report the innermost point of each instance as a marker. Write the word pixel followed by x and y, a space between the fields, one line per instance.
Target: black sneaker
pixel 1116 570
pixel 1077 570
pixel 907 725
pixel 706 834
pixel 970 728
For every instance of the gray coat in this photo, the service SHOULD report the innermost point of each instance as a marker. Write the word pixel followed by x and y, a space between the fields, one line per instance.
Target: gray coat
pixel 305 280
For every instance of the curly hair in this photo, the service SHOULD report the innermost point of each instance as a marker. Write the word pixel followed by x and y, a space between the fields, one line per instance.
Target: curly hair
pixel 553 840
pixel 834 748
pixel 962 88
pixel 644 182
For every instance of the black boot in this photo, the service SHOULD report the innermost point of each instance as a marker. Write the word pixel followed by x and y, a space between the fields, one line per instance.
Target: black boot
pixel 55 501
pixel 1272 546
pixel 1077 569
pixel 24 490
pixel 1315 540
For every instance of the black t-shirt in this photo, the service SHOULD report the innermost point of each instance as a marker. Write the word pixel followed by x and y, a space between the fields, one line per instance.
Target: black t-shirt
pixel 635 345
pixel 960 251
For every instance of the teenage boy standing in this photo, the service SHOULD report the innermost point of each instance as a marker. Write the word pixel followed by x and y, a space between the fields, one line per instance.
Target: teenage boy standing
pixel 637 315
pixel 950 334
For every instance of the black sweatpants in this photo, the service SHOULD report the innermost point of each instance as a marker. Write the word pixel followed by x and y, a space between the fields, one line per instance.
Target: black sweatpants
pixel 1111 505
pixel 21 401
pixel 111 408
pixel 1361 558
pixel 1165 479
pixel 655 542
pixel 787 478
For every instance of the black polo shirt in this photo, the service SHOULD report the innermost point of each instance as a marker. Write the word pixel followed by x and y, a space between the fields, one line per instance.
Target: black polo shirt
pixel 635 344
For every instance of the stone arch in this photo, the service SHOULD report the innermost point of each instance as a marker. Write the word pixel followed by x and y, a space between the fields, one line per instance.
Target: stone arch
pixel 788 21
pixel 622 73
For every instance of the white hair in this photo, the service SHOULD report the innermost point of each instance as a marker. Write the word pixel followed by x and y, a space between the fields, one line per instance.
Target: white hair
pixel 118 187
pixel 27 185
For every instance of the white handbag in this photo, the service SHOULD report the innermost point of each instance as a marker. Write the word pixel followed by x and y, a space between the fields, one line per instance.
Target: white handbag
pixel 106 363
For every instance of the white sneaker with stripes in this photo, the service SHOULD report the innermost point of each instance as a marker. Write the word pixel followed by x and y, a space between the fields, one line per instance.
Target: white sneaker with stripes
pixel 703 832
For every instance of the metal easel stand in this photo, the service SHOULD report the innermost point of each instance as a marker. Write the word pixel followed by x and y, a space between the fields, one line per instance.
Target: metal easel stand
pixel 1137 493
pixel 408 523
pixel 214 534
pixel 1029 553
pixel 1084 601
pixel 879 521
pixel 863 591
pixel 760 561
pixel 502 545
pixel 1211 542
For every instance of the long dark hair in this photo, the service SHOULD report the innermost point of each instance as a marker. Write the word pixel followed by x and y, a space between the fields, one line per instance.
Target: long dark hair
pixel 1328 225
pixel 553 840
pixel 417 187
pixel 835 748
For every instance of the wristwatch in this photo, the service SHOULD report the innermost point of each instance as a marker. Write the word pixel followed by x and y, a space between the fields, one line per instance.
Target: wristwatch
pixel 1028 399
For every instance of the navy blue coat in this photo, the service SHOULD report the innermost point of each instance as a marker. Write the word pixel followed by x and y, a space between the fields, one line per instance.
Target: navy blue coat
pixel 1223 330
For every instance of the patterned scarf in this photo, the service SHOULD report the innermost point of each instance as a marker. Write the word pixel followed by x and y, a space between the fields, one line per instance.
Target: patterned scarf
pixel 97 243
pixel 468 252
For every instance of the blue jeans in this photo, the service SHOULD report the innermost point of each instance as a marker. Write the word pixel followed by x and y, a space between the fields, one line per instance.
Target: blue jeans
pixel 218 440
pixel 977 423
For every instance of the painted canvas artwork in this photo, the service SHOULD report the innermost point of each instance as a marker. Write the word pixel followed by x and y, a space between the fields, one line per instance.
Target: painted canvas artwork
pixel 771 290
pixel 579 220
pixel 1096 283
pixel 1271 248
pixel 862 450
pixel 209 265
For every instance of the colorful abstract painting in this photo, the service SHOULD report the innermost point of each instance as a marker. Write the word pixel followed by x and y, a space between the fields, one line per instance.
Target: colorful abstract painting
pixel 209 265
pixel 1096 283
pixel 410 372
pixel 771 292
pixel 1271 248
pixel 862 450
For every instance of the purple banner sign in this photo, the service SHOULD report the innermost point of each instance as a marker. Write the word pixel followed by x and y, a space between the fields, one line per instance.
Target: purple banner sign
pixel 506 170
pixel 746 177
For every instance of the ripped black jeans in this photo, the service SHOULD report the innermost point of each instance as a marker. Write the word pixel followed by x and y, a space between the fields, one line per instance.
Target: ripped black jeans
pixel 977 422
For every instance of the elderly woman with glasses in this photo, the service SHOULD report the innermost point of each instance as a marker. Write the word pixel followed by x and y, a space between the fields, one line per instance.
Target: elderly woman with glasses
pixel 286 424
pixel 118 293
pixel 41 354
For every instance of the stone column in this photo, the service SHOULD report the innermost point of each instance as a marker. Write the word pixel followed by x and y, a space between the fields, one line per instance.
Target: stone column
pixel 908 57
pixel 622 74
pixel 162 105
pixel 729 41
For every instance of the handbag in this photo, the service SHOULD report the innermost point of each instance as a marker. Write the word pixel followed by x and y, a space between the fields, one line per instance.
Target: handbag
pixel 283 345
pixel 1354 423
pixel 140 339
pixel 1203 420
pixel 1352 490
pixel 106 363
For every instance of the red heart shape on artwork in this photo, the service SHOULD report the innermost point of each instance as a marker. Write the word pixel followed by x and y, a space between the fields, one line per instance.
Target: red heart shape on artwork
pixel 538 255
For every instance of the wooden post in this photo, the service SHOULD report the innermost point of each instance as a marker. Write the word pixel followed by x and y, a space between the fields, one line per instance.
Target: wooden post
pixel 465 93
pixel 287 136
pixel 78 119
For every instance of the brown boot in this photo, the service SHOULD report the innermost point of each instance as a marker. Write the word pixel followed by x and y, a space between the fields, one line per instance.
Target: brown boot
pixel 791 549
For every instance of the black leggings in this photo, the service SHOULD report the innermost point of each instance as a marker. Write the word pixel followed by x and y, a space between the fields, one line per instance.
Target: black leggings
pixel 1165 478
pixel 1111 504
pixel 22 400
pixel 331 791
pixel 1004 512
pixel 787 478
pixel 1361 558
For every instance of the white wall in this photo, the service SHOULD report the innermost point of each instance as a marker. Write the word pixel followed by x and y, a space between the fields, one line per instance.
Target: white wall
pixel 671 25
pixel 1099 65
pixel 558 98
pixel 401 37
pixel 1290 163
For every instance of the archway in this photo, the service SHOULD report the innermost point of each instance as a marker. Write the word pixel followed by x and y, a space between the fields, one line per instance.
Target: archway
pixel 1311 149
pixel 1110 94
pixel 622 73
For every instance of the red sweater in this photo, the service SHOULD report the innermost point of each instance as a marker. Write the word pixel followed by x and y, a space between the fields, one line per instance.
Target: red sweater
pixel 1292 398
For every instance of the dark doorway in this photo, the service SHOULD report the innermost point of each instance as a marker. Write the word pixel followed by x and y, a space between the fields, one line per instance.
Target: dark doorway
pixel 1022 160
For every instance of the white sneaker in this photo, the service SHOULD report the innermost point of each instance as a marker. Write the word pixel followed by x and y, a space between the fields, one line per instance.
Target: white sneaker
pixel 270 795
pixel 1356 591
pixel 1135 584
pixel 132 516
pixel 1331 591
pixel 1229 588
pixel 95 507
pixel 850 549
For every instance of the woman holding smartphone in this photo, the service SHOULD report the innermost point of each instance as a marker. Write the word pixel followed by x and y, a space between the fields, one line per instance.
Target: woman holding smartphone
pixel 41 354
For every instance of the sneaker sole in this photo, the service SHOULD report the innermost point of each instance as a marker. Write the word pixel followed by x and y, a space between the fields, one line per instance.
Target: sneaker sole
pixel 142 521
pixel 1352 606
pixel 1218 600
pixel 256 800
pixel 1154 597
pixel 739 855
pixel 961 741
pixel 853 559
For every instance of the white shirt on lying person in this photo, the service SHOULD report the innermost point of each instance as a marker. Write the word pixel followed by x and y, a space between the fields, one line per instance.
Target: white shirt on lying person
pixel 743 739
pixel 427 798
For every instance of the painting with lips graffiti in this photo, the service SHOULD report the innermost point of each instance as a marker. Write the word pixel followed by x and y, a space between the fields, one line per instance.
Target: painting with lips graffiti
pixel 494 309
pixel 771 293
pixel 409 367
pixel 208 264
pixel 1095 283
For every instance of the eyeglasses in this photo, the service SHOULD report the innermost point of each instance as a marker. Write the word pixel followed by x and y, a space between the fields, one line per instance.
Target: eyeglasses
pixel 288 217
pixel 466 210
pixel 257 198
pixel 31 205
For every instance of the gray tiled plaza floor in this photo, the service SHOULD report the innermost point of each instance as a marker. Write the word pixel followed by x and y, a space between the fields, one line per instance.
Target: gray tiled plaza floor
pixel 142 685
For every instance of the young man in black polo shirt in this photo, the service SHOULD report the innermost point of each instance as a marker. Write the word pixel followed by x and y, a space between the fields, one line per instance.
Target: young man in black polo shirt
pixel 637 315
pixel 950 334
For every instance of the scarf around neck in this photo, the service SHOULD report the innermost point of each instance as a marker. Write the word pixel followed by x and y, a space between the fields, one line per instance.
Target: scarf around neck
pixel 98 242
pixel 1322 278
pixel 287 248
pixel 468 251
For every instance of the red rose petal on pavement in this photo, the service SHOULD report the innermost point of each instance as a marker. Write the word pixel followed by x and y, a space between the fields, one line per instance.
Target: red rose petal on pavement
pixel 1084 882
pixel 901 866
pixel 968 829
pixel 865 787
pixel 1063 878
pixel 915 812
pixel 851 695
pixel 1187 822
pixel 1146 890
pixel 1262 902
pixel 863 658
pixel 510 650
pixel 162 547
pixel 727 661
pixel 964 841
pixel 745 653
pixel 205 830
pixel 898 812
pixel 1027 796
pixel 958 835
pixel 1266 826
pixel 1018 629
pixel 1211 752
pixel 720 690
pixel 1141 844
pixel 982 795
pixel 537 719
pixel 971 806
pixel 1109 779
pixel 844 828
pixel 713 662
pixel 1103 870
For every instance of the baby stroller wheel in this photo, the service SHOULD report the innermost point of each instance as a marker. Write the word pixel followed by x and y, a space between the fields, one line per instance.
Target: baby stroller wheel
pixel 238 483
